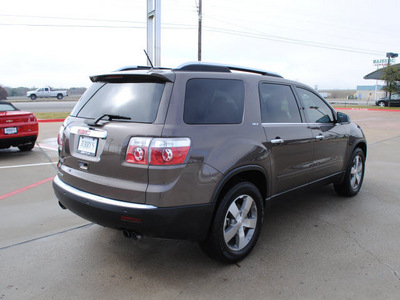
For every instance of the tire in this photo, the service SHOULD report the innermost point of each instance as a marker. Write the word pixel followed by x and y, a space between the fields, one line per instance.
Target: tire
pixel 237 224
pixel 354 175
pixel 60 96
pixel 28 147
pixel 381 104
pixel 33 97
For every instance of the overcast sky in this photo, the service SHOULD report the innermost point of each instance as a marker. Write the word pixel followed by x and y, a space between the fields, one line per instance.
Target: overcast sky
pixel 329 44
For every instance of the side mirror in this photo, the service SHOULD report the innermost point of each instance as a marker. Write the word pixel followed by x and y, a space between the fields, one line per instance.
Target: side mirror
pixel 342 118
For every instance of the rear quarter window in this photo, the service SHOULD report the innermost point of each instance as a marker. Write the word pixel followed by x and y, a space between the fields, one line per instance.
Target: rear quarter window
pixel 214 101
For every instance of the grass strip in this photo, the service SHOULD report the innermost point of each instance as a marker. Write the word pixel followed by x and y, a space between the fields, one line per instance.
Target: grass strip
pixel 51 115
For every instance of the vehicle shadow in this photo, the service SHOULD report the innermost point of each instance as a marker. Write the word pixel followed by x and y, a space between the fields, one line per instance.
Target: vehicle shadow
pixel 13 151
pixel 294 227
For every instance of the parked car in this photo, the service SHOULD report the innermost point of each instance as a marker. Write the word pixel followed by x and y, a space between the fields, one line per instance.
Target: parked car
pixel 394 101
pixel 17 128
pixel 46 92
pixel 196 152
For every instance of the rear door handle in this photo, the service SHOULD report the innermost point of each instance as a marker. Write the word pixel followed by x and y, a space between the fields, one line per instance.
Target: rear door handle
pixel 277 141
pixel 319 137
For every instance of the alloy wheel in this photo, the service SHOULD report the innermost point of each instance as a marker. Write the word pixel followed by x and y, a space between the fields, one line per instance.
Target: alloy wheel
pixel 240 222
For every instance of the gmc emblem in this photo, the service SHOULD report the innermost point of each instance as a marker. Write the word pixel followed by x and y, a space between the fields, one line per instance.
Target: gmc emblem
pixel 83 131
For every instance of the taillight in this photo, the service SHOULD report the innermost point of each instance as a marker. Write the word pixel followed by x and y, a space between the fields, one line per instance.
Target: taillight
pixel 60 138
pixel 32 118
pixel 169 151
pixel 137 152
pixel 157 151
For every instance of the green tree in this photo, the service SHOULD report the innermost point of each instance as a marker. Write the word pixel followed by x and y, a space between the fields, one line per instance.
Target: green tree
pixel 3 93
pixel 392 77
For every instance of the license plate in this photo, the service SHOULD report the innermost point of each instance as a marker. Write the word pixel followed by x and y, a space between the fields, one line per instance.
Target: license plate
pixel 10 130
pixel 87 145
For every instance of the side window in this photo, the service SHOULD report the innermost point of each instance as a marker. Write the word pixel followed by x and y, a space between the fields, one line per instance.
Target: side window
pixel 315 108
pixel 214 101
pixel 278 104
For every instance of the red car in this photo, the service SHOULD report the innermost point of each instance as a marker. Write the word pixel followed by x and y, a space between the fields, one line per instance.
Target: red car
pixel 17 128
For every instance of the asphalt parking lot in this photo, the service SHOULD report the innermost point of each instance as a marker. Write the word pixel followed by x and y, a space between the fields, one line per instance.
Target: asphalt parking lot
pixel 314 244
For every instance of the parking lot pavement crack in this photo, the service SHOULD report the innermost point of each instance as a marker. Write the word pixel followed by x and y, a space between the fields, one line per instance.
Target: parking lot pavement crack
pixel 396 273
pixel 47 236
pixel 47 156
pixel 379 260
pixel 378 142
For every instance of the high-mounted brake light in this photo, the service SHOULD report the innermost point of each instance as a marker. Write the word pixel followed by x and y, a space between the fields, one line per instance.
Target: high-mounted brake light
pixel 157 151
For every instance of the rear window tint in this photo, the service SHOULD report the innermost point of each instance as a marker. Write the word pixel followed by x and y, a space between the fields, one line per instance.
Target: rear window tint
pixel 214 101
pixel 138 101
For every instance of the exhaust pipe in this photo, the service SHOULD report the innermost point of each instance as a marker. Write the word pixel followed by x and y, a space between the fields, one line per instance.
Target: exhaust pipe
pixel 61 205
pixel 132 235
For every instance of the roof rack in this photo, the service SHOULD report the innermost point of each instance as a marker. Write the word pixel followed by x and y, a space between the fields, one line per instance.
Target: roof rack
pixel 213 67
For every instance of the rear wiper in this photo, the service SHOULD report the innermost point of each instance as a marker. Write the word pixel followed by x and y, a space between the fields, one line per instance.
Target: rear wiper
pixel 110 118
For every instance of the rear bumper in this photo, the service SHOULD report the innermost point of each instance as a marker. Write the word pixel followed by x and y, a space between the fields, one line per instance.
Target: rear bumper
pixel 17 141
pixel 184 222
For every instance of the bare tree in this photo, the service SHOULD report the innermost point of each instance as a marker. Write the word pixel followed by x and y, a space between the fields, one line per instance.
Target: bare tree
pixel 3 93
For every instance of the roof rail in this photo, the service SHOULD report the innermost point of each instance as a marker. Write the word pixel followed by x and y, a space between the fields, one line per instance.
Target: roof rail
pixel 213 67
pixel 135 68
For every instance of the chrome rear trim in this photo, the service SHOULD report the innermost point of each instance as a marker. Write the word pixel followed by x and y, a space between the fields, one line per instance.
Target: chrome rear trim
pixel 99 199
pixel 89 132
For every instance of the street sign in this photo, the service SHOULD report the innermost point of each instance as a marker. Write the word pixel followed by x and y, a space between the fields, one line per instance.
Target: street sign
pixel 383 62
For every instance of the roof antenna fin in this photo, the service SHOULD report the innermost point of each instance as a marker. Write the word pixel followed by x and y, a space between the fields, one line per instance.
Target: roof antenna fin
pixel 148 58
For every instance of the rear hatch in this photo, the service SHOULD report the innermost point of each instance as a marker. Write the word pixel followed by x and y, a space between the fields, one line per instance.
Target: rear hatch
pixel 94 140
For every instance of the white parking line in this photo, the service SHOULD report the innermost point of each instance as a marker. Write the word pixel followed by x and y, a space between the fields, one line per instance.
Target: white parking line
pixel 47 147
pixel 30 165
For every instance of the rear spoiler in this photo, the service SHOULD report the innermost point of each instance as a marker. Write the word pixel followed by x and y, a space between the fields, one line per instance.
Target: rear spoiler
pixel 134 75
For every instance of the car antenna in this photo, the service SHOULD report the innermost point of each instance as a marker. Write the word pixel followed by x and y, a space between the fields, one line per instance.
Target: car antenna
pixel 148 58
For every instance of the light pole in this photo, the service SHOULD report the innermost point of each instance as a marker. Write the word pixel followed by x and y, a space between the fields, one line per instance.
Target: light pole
pixel 200 12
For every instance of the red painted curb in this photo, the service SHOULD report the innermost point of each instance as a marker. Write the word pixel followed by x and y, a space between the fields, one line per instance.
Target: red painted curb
pixel 368 109
pixel 51 120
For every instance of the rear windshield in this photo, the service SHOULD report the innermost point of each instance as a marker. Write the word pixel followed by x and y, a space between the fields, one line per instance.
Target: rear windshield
pixel 6 107
pixel 138 101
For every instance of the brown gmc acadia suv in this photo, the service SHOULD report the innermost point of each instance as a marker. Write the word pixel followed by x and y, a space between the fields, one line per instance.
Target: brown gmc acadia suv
pixel 195 152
